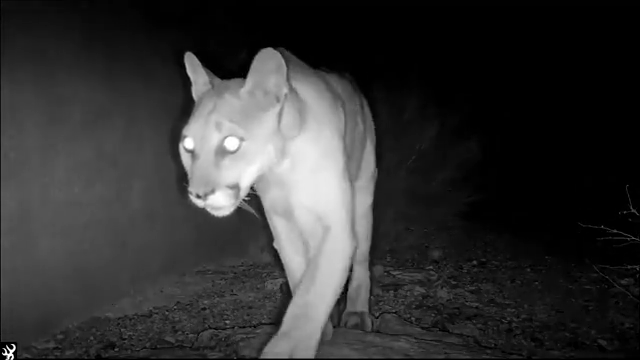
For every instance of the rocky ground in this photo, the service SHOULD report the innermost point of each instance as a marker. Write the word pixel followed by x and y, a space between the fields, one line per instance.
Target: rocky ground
pixel 486 303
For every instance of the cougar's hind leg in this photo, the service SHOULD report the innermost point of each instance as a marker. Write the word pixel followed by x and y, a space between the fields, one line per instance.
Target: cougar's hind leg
pixel 356 314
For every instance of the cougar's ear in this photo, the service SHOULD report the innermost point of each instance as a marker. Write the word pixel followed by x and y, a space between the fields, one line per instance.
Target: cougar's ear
pixel 267 78
pixel 201 78
pixel 291 116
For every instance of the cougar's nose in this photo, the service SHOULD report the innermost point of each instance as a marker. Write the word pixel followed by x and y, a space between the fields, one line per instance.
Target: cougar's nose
pixel 200 195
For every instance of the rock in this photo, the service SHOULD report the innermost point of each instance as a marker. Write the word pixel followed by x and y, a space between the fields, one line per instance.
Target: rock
pixel 394 338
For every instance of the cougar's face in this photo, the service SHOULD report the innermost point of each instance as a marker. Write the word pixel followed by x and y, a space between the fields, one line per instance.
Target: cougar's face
pixel 232 136
pixel 225 147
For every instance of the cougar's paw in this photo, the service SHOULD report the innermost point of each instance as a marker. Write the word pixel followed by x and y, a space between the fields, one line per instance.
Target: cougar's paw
pixel 358 320
pixel 278 347
pixel 287 347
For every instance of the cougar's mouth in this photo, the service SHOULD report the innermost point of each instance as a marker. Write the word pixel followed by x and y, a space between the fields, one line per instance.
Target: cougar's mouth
pixel 218 202
pixel 224 201
pixel 221 211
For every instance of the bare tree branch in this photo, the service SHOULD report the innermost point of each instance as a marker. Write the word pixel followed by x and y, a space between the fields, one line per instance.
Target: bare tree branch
pixel 628 240
pixel 614 283
pixel 631 210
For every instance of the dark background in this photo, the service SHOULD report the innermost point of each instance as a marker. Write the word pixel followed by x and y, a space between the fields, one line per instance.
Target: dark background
pixel 93 96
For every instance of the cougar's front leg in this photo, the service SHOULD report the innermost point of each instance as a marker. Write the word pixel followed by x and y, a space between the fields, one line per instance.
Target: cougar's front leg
pixel 287 240
pixel 321 283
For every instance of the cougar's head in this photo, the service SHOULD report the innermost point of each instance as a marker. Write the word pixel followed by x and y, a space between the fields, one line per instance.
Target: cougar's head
pixel 237 130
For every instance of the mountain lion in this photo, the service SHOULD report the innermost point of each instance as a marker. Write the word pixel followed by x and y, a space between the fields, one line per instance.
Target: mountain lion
pixel 305 139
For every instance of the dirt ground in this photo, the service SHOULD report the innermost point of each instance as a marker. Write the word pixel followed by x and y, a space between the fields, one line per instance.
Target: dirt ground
pixel 438 302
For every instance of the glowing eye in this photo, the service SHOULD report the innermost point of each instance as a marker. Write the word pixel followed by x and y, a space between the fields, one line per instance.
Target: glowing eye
pixel 232 143
pixel 188 144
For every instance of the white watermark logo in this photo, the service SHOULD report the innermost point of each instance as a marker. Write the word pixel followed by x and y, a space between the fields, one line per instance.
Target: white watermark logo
pixel 8 349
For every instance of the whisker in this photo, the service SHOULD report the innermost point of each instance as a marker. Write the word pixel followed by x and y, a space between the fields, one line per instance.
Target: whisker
pixel 248 207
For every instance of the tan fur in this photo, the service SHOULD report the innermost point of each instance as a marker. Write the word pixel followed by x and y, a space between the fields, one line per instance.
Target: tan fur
pixel 307 144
